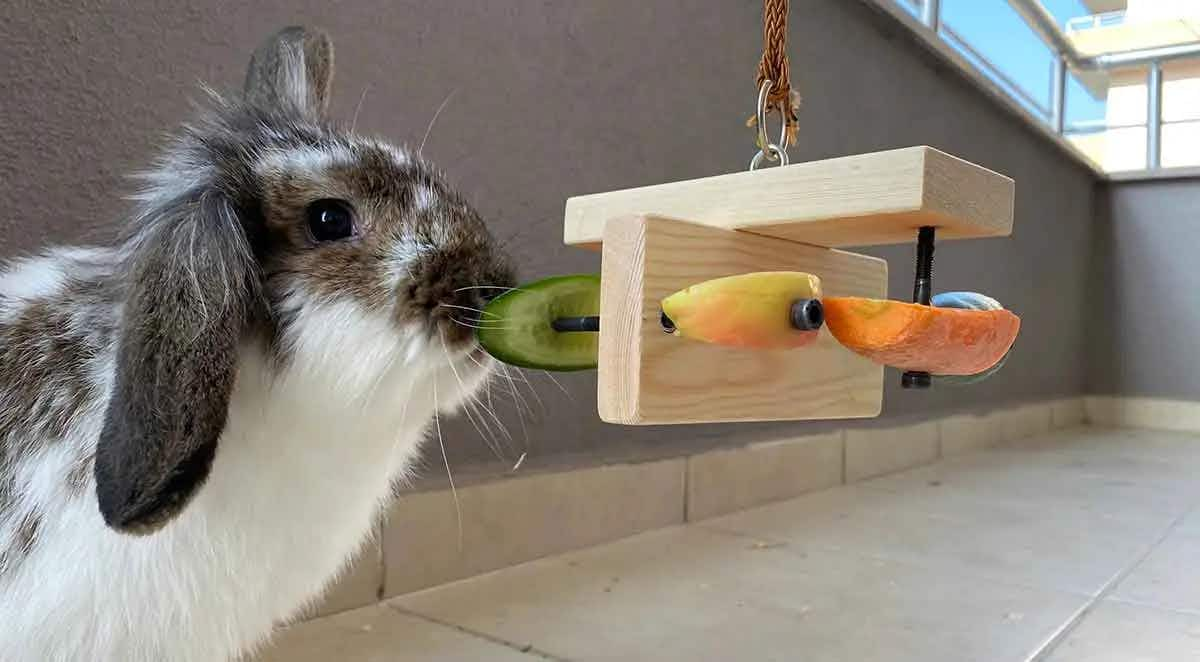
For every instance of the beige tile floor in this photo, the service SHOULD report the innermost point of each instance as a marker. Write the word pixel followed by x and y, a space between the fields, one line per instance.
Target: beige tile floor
pixel 1078 546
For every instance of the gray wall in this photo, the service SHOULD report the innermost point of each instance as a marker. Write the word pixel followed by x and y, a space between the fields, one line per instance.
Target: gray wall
pixel 1144 331
pixel 555 99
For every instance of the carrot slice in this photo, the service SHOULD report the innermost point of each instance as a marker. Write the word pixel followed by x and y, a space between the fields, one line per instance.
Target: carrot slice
pixel 909 336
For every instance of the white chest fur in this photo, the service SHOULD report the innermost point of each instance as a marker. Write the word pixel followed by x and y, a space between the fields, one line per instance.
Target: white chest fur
pixel 306 460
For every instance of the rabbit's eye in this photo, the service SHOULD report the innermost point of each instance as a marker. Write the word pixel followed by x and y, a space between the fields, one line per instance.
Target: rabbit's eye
pixel 330 220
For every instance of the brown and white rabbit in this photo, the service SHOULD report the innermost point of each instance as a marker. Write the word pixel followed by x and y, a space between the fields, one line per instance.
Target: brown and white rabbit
pixel 198 426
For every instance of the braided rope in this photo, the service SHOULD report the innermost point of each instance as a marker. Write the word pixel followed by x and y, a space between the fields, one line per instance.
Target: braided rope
pixel 774 67
pixel 774 63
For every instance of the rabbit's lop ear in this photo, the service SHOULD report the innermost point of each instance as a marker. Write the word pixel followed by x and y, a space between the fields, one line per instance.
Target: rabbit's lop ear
pixel 193 287
pixel 292 72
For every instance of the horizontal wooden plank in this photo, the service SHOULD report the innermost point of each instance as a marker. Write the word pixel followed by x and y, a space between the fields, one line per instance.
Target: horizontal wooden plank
pixel 649 377
pixel 861 200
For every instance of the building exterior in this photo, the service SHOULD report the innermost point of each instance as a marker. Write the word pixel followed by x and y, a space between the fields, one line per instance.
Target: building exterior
pixel 1119 142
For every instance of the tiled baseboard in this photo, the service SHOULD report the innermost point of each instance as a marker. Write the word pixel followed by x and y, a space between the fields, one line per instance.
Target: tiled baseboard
pixel 517 519
pixel 732 479
pixel 1149 413
pixel 513 520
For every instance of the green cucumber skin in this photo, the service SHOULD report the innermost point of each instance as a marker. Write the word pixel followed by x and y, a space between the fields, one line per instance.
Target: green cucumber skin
pixel 498 343
pixel 520 363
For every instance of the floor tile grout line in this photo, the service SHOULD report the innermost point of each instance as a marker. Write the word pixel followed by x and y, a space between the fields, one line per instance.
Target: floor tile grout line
pixel 527 649
pixel 1156 607
pixel 1055 640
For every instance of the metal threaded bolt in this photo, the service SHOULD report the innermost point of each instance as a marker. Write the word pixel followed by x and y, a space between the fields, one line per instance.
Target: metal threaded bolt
pixel 923 283
pixel 922 294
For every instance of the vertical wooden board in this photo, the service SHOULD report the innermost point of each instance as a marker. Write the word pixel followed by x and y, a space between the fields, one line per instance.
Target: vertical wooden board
pixel 648 377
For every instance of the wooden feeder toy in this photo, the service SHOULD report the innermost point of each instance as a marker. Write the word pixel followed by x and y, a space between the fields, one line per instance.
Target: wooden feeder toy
pixel 731 298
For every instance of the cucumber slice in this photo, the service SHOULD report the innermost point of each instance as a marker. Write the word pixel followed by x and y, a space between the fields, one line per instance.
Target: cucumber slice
pixel 516 325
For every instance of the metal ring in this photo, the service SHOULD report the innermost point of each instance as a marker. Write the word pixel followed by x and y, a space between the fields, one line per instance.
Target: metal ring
pixel 767 149
pixel 779 155
pixel 760 116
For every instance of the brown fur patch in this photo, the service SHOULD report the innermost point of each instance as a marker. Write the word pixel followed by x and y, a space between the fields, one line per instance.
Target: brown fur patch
pixel 80 475
pixel 43 367
pixel 46 354
pixel 22 545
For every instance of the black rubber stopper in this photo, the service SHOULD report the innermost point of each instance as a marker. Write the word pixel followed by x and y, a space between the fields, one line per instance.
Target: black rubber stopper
pixel 807 314
pixel 667 324
pixel 915 379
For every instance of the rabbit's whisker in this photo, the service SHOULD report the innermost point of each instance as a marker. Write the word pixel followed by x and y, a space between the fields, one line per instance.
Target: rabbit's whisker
pixel 517 396
pixel 468 410
pixel 488 384
pixel 538 398
pixel 518 401
pixel 492 413
pixel 436 115
pixel 437 422
pixel 559 385
pixel 358 108
pixel 468 309
pixel 490 325
pixel 490 287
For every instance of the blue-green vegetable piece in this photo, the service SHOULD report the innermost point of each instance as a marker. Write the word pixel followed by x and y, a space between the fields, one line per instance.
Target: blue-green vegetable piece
pixel 968 301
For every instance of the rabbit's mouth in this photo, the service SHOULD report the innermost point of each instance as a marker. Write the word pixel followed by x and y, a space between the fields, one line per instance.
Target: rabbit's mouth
pixel 466 357
pixel 468 368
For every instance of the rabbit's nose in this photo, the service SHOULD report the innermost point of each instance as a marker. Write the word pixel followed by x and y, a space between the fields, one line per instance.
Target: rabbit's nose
pixel 451 285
